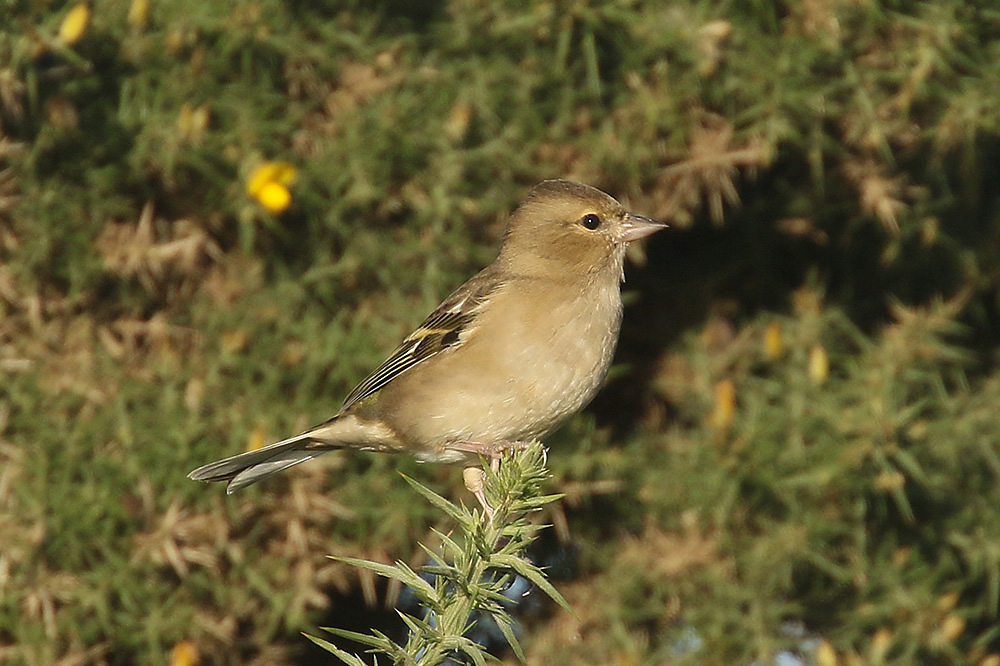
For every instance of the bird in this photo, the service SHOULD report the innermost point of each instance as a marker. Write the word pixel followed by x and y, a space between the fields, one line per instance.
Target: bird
pixel 503 360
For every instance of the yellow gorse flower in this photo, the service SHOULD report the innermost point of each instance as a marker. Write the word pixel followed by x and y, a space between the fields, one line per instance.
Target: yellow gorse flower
pixel 138 13
pixel 819 365
pixel 184 653
pixel 826 655
pixel 881 642
pixel 725 406
pixel 952 626
pixel 257 438
pixel 74 24
pixel 774 343
pixel 275 197
pixel 269 184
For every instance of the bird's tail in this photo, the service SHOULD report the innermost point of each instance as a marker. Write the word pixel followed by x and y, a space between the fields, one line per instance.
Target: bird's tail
pixel 250 467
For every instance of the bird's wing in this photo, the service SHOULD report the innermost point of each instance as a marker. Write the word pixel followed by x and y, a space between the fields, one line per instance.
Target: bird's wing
pixel 441 330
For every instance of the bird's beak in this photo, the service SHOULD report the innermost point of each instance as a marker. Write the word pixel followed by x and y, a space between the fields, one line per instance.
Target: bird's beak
pixel 637 226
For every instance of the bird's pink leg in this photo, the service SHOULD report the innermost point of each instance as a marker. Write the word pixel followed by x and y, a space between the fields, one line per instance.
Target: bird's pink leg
pixel 494 450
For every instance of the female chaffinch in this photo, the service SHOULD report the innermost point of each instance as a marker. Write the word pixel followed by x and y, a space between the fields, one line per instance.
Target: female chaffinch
pixel 504 359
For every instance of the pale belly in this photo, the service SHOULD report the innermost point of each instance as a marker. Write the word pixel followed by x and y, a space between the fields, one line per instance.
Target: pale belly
pixel 513 380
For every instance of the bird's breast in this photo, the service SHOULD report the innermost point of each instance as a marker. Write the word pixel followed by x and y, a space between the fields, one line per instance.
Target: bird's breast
pixel 537 353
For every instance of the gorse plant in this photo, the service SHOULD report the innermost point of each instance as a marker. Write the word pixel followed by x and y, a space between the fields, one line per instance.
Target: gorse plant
pixel 469 575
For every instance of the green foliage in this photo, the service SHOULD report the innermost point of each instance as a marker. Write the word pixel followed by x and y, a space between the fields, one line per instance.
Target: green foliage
pixel 801 426
pixel 470 574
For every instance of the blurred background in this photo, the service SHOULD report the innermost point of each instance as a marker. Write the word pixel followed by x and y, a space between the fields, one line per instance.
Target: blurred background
pixel 216 217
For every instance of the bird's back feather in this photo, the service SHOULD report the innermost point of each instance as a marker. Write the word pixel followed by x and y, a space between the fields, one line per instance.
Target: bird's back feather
pixel 441 330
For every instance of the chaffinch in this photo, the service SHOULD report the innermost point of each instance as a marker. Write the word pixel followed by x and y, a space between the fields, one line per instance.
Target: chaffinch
pixel 504 359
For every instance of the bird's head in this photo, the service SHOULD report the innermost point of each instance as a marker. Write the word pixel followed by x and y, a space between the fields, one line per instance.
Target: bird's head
pixel 566 229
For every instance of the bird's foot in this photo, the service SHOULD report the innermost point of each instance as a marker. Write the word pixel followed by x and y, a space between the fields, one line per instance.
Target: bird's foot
pixel 493 450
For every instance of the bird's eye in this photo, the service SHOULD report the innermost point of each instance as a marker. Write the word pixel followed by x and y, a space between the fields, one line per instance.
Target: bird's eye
pixel 590 221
